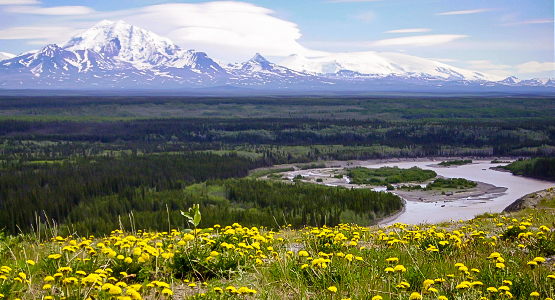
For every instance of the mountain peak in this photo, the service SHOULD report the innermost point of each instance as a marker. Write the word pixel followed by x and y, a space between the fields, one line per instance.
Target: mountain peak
pixel 50 50
pixel 136 45
pixel 510 80
pixel 259 59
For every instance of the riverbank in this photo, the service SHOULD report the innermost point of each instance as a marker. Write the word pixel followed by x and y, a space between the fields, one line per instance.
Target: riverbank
pixel 531 200
pixel 496 190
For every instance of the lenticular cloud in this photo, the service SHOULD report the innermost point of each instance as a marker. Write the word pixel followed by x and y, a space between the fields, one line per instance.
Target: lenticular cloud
pixel 223 29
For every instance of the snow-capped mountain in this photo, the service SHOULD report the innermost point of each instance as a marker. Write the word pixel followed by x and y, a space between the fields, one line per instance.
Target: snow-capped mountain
pixel 6 55
pixel 120 55
pixel 129 43
pixel 382 64
pixel 259 71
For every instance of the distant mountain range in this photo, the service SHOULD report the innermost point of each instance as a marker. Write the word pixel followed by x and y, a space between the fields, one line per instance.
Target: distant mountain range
pixel 115 55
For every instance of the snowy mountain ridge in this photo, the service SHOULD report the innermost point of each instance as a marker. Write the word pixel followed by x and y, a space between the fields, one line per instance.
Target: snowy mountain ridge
pixel 116 54
pixel 6 55
pixel 382 64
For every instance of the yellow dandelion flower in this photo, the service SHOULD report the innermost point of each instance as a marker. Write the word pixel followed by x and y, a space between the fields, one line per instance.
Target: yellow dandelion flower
pixel 539 260
pixel 494 255
pixel 167 292
pixel 415 296
pixel 115 290
pixel 400 268
pixel 332 289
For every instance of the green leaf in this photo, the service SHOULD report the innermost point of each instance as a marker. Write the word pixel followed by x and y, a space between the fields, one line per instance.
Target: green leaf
pixel 193 215
pixel 195 211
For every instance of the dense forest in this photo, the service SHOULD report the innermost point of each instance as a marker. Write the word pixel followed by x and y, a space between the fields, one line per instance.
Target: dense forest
pixel 51 190
pixel 92 193
pixel 540 168
pixel 224 202
pixel 91 161
pixel 322 139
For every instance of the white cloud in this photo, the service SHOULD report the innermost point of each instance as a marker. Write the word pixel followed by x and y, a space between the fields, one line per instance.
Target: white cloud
pixel 419 41
pixel 501 73
pixel 40 34
pixel 225 30
pixel 409 30
pixel 230 31
pixel 527 22
pixel 54 11
pixel 463 12
pixel 366 17
pixel 535 67
pixel 18 2
pixel 531 67
pixel 486 65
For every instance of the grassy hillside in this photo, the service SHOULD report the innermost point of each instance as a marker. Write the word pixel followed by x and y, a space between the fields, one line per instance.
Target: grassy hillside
pixel 489 257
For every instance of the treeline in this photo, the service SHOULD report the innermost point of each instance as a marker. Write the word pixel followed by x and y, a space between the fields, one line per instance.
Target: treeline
pixel 224 202
pixel 540 168
pixel 399 107
pixel 389 175
pixel 455 162
pixel 52 190
pixel 442 183
pixel 59 139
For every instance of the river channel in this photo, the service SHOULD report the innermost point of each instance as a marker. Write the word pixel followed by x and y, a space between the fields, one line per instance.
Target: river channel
pixel 417 212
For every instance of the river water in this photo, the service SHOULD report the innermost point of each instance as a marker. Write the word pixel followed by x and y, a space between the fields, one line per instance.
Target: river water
pixel 421 212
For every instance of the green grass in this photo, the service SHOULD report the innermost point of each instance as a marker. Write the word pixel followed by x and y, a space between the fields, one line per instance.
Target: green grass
pixel 389 175
pixel 456 259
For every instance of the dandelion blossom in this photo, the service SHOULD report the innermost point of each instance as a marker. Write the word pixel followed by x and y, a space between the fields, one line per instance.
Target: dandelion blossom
pixel 167 292
pixel 415 296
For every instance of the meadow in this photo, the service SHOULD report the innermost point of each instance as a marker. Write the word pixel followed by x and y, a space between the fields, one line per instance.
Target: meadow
pixel 493 256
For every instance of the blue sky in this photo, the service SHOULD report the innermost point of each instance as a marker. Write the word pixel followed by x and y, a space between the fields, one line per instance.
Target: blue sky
pixel 499 37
